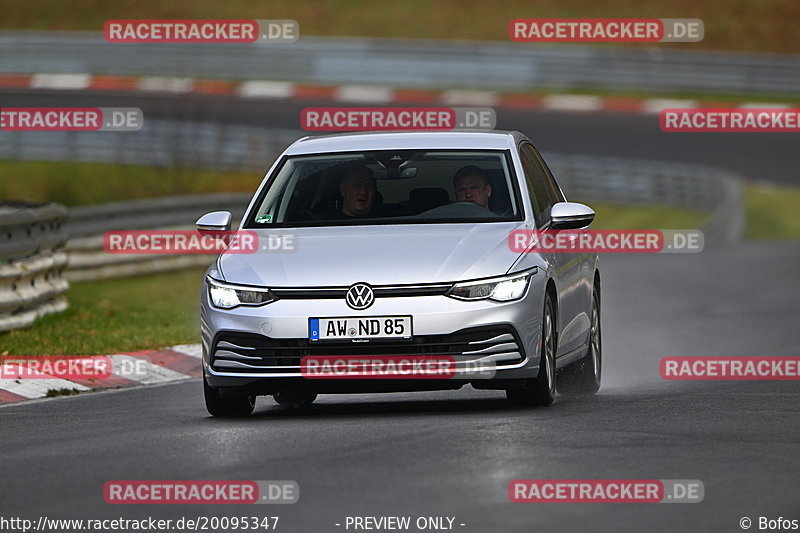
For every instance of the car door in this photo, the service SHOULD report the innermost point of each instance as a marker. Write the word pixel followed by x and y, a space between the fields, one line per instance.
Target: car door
pixel 588 262
pixel 572 316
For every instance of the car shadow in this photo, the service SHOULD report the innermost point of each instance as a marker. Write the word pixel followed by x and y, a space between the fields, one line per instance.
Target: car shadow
pixel 335 407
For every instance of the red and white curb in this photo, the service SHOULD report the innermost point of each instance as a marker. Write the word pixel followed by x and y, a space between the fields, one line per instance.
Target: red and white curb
pixel 358 94
pixel 148 367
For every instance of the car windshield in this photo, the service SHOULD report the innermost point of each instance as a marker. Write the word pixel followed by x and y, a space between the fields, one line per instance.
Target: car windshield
pixel 389 187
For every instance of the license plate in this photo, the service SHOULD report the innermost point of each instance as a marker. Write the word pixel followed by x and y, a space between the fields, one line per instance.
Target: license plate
pixel 356 328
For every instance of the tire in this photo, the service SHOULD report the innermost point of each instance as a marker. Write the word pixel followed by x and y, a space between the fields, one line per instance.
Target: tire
pixel 220 406
pixel 294 399
pixel 542 390
pixel 582 378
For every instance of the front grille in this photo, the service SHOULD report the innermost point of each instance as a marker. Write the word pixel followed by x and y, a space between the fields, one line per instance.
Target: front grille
pixel 248 352
pixel 381 291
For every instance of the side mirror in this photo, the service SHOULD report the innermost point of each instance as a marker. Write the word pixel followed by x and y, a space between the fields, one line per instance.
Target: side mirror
pixel 570 215
pixel 216 221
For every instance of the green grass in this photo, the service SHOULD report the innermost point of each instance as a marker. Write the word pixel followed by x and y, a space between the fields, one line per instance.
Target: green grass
pixel 772 212
pixel 609 216
pixel 117 315
pixel 75 184
pixel 764 25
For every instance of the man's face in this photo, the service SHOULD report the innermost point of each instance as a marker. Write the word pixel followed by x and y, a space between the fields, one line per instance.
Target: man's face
pixel 358 191
pixel 473 189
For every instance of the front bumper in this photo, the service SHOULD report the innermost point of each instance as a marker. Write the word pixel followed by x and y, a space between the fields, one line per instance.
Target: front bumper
pixel 258 349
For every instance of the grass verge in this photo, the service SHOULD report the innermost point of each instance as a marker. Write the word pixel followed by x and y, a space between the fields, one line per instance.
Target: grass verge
pixel 75 184
pixel 772 212
pixel 609 216
pixel 117 315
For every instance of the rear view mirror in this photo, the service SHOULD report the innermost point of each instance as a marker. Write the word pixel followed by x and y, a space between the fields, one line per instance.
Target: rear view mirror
pixel 215 221
pixel 395 173
pixel 570 215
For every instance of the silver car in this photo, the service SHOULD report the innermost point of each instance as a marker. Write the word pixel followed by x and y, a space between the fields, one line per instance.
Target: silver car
pixel 399 246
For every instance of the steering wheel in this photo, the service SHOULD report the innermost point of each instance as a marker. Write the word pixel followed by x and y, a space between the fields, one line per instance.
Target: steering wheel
pixel 310 214
pixel 467 203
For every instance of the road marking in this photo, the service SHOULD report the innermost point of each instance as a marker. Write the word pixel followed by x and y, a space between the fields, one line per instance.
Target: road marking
pixel 572 102
pixel 165 84
pixel 36 387
pixel 192 350
pixel 265 89
pixel 142 370
pixel 657 105
pixel 61 81
pixel 364 93
pixel 470 98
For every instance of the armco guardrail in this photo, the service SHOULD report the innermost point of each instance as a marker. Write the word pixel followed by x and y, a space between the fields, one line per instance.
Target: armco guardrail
pixel 31 263
pixel 86 225
pixel 160 143
pixel 644 182
pixel 180 145
pixel 410 63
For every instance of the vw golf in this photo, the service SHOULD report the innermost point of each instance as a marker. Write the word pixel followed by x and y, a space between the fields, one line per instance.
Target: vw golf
pixel 401 250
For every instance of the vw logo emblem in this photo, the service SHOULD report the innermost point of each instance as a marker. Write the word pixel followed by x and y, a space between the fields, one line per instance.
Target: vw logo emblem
pixel 360 296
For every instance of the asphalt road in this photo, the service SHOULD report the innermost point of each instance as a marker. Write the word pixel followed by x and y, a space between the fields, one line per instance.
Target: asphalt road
pixel 454 454
pixel 757 156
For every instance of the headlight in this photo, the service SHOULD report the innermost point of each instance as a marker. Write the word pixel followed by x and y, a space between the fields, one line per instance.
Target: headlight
pixel 227 296
pixel 505 289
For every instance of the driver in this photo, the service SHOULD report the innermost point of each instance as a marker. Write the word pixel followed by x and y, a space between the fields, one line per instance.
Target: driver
pixel 471 185
pixel 358 189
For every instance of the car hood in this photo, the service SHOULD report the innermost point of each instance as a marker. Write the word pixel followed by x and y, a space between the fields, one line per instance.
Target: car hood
pixel 378 255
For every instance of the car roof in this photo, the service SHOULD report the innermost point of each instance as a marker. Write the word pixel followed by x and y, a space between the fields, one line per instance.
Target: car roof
pixel 399 140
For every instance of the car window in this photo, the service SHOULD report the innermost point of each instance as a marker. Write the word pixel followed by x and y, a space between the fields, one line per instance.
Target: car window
pixel 535 179
pixel 389 186
pixel 553 190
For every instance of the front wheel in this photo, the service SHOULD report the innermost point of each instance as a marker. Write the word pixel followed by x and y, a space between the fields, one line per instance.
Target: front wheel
pixel 220 406
pixel 582 378
pixel 542 390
